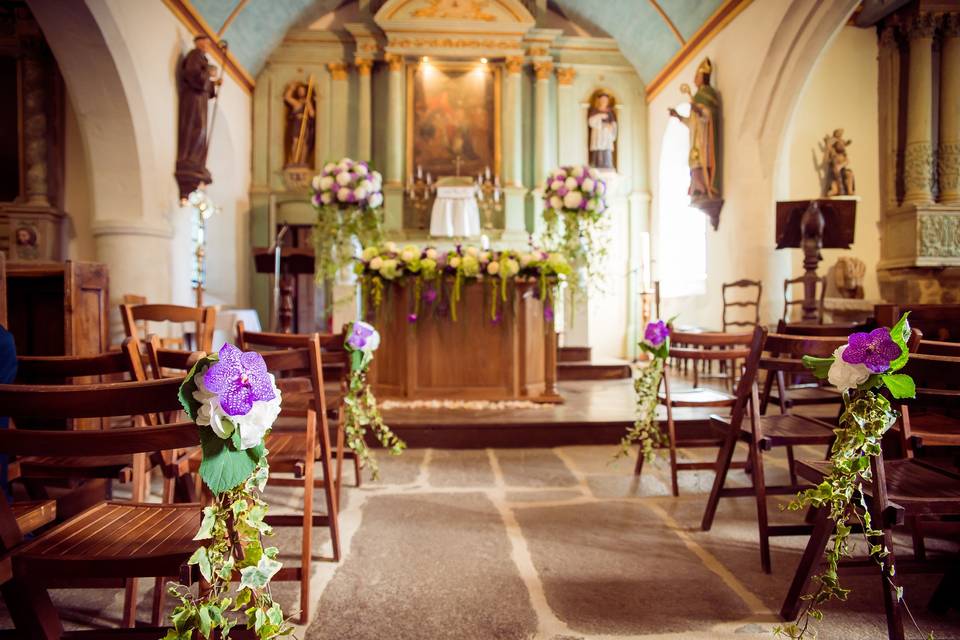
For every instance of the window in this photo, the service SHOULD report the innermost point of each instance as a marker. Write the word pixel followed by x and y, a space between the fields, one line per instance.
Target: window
pixel 682 242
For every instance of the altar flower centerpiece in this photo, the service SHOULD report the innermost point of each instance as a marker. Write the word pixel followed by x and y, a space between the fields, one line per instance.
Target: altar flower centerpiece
pixel 234 400
pixel 347 196
pixel 574 199
pixel 645 430
pixel 360 405
pixel 861 370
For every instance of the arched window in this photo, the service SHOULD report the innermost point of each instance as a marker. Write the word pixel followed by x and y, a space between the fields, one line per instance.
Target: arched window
pixel 682 241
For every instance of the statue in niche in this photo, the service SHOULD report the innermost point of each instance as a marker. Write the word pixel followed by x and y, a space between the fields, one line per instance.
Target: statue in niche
pixel 602 120
pixel 301 119
pixel 197 84
pixel 840 181
pixel 704 125
pixel 27 243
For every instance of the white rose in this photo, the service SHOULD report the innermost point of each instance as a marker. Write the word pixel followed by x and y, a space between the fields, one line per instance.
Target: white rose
pixel 484 256
pixel 345 164
pixel 326 197
pixel 343 178
pixel 343 193
pixel 593 173
pixel 601 188
pixel 408 255
pixel 375 200
pixel 391 247
pixel 361 170
pixel 432 254
pixel 572 200
pixel 493 268
pixel 377 179
pixel 525 259
pixel 315 183
pixel 455 261
pixel 326 183
pixel 473 251
pixel 587 185
pixel 571 183
pixel 376 263
pixel 360 193
pixel 556 202
pixel 844 375
pixel 366 184
pixel 510 267
pixel 556 184
pixel 329 167
pixel 559 173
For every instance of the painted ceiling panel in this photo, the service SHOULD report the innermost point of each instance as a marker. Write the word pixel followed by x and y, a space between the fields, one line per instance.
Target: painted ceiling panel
pixel 641 33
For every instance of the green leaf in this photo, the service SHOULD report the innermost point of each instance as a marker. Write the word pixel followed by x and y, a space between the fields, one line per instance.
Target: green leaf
pixel 819 366
pixel 205 621
pixel 206 526
pixel 185 394
pixel 243 599
pixel 900 333
pixel 900 385
pixel 275 615
pixel 257 577
pixel 224 467
pixel 202 560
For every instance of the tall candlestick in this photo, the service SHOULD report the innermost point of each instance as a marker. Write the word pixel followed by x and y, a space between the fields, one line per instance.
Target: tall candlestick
pixel 419 172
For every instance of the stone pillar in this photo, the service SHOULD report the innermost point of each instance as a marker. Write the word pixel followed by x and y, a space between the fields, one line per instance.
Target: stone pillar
pixel 543 162
pixel 35 130
pixel 396 145
pixel 949 160
pixel 514 210
pixel 339 94
pixel 569 148
pixel 364 109
pixel 918 152
pixel 888 91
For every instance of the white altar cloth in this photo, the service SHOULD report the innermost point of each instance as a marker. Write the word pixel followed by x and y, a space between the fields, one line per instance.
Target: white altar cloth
pixel 455 213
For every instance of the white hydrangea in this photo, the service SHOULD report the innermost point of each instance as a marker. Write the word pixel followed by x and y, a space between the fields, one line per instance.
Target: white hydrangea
pixel 572 200
pixel 844 375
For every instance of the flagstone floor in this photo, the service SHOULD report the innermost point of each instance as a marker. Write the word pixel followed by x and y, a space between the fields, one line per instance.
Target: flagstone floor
pixel 553 544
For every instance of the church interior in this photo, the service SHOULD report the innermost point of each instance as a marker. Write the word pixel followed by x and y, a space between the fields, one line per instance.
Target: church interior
pixel 484 319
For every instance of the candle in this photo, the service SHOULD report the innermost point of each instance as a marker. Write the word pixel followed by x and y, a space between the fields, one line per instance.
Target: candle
pixel 496 180
pixel 496 195
pixel 487 172
pixel 429 178
pixel 419 172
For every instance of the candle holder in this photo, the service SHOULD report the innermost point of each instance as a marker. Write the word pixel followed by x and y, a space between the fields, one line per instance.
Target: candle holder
pixel 421 192
pixel 489 198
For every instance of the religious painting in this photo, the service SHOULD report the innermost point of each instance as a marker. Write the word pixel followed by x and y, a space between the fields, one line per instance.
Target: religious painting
pixel 453 119
pixel 603 130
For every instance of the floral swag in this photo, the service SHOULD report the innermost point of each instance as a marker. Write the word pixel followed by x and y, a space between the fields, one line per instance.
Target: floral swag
pixel 645 430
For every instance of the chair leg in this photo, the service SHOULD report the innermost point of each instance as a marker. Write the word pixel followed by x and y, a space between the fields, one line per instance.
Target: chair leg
pixel 809 561
pixel 306 555
pixel 919 544
pixel 793 472
pixel 358 476
pixel 158 595
pixel 672 434
pixel 760 492
pixel 724 458
pixel 890 600
pixel 340 453
pixel 31 610
pixel 638 468
pixel 944 597
pixel 330 491
pixel 130 604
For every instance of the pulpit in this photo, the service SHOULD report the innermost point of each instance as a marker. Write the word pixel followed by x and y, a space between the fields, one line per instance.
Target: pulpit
pixel 287 263
pixel 455 213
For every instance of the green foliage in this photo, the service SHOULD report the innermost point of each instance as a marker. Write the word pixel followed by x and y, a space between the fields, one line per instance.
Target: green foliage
pixel 224 466
pixel 645 429
pixel 334 233
pixel 580 236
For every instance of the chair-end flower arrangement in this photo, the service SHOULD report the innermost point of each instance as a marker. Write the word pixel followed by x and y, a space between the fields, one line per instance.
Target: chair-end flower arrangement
pixel 861 369
pixel 645 430
pixel 234 400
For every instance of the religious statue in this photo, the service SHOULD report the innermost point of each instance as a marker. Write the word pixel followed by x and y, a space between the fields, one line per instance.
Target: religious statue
pixel 848 276
pixel 602 120
pixel 27 244
pixel 301 118
pixel 197 85
pixel 704 125
pixel 840 180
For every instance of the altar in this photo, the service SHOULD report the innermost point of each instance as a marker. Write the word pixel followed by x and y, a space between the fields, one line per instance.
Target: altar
pixel 471 358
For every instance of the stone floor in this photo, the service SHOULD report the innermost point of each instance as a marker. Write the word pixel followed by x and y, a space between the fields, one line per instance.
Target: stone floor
pixel 555 544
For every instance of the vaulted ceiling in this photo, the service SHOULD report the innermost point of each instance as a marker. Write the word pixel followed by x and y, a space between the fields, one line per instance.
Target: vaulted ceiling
pixel 649 32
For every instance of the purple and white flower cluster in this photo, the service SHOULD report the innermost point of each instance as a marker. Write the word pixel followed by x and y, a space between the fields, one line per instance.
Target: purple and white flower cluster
pixel 577 189
pixel 348 184
pixel 864 354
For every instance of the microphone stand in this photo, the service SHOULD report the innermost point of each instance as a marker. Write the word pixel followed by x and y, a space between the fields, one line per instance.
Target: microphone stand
pixel 276 276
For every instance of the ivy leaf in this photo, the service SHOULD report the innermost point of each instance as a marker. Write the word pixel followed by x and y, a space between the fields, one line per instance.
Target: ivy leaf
pixel 205 621
pixel 275 615
pixel 819 366
pixel 206 527
pixel 243 599
pixel 224 467
pixel 185 394
pixel 900 385
pixel 202 560
pixel 257 577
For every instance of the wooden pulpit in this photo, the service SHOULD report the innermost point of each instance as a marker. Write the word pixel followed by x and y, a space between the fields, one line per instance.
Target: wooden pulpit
pixel 292 262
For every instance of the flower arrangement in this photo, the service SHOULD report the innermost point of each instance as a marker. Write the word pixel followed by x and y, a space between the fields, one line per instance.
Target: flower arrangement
pixel 645 430
pixel 867 363
pixel 346 195
pixel 234 400
pixel 574 203
pixel 360 405
pixel 431 270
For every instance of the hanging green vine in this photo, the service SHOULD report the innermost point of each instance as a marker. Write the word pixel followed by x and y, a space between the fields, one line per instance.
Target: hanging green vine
pixel 645 429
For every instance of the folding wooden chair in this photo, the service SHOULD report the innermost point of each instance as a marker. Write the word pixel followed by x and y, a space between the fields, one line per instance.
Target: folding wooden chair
pixel 204 319
pixel 111 543
pixel 789 302
pixel 698 347
pixel 296 451
pixel 903 490
pixel 763 433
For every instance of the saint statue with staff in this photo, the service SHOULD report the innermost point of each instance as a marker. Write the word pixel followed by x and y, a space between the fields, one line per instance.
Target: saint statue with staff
pixel 301 116
pixel 704 125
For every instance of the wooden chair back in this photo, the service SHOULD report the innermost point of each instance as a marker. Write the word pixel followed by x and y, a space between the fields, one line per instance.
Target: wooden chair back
pixel 932 417
pixel 746 303
pixel 82 369
pixel 938 348
pixel 334 356
pixel 710 345
pixel 136 319
pixel 940 322
pixel 746 387
pixel 834 330
pixel 162 359
pixel 789 303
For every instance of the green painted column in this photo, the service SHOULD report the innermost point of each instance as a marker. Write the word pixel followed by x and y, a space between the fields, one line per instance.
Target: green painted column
pixel 393 177
pixel 364 109
pixel 570 144
pixel 339 94
pixel 515 224
pixel 543 160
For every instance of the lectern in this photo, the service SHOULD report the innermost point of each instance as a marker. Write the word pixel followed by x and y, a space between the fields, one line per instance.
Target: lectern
pixel 814 225
pixel 293 262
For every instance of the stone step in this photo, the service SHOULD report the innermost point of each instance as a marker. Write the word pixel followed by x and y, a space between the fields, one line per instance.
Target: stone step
pixel 573 354
pixel 594 370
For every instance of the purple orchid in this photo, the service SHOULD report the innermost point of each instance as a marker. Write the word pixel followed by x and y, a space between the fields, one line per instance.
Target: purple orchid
pixel 430 295
pixel 656 333
pixel 363 337
pixel 411 318
pixel 548 313
pixel 239 379
pixel 875 350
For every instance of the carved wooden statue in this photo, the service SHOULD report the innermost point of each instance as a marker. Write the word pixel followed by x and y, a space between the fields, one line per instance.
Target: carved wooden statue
pixel 301 119
pixel 840 180
pixel 602 120
pixel 196 85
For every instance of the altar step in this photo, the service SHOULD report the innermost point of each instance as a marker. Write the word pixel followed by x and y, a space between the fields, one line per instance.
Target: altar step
pixel 611 369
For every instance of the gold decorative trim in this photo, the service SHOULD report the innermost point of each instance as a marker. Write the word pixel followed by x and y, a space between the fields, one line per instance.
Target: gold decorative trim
pixel 565 75
pixel 543 69
pixel 188 15
pixel 450 10
pixel 538 51
pixel 514 65
pixel 503 5
pixel 364 65
pixel 451 43
pixel 394 61
pixel 726 12
pixel 338 70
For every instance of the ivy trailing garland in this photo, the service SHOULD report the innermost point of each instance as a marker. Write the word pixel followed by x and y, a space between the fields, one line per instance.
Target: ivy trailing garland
pixel 645 430
pixel 861 368
pixel 234 400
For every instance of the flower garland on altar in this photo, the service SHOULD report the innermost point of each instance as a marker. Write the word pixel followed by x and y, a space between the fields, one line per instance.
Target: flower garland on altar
pixel 346 196
pixel 234 400
pixel 360 405
pixel 859 369
pixel 645 430
pixel 430 270
pixel 574 203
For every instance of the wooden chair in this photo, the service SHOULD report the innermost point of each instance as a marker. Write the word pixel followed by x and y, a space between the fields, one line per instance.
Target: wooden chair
pixel 789 303
pixel 763 433
pixel 905 490
pixel 940 322
pixel 111 543
pixel 698 347
pixel 938 348
pixel 296 451
pixel 204 319
pixel 742 303
pixel 932 418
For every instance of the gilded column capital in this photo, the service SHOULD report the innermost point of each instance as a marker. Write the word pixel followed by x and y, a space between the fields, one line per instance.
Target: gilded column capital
pixel 922 25
pixel 543 69
pixel 338 70
pixel 364 65
pixel 565 75
pixel 395 61
pixel 538 50
pixel 951 25
pixel 514 64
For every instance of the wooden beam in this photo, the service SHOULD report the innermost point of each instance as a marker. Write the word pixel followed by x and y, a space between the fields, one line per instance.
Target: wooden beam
pixel 673 28
pixel 195 23
pixel 233 14
pixel 720 18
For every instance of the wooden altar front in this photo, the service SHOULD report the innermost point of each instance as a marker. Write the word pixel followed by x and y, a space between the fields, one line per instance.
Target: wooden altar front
pixel 471 358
